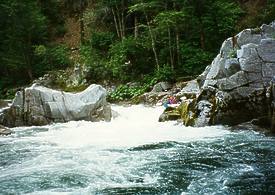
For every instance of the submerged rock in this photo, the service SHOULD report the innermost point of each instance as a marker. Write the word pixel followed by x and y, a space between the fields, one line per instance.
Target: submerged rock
pixel 38 105
pixel 4 131
pixel 235 88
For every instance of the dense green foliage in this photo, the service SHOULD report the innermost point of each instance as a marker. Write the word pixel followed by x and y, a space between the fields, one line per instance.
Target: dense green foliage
pixel 130 91
pixel 121 40
pixel 25 52
pixel 130 39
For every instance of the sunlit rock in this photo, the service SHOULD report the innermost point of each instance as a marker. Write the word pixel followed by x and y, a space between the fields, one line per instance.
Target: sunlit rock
pixel 234 88
pixel 38 105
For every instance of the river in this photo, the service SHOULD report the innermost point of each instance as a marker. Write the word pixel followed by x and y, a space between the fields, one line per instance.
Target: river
pixel 135 154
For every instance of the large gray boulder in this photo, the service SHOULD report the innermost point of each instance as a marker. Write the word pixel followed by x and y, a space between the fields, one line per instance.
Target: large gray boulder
pixel 235 88
pixel 38 105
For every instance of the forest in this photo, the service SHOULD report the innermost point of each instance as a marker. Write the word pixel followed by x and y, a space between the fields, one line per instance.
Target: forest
pixel 120 40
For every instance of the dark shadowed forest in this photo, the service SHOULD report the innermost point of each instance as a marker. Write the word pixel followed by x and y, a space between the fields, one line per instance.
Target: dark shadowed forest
pixel 119 40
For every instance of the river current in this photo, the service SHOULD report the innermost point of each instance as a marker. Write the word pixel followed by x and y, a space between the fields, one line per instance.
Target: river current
pixel 135 154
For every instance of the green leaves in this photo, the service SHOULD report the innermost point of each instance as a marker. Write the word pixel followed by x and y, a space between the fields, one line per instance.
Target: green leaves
pixel 24 26
pixel 50 58
pixel 195 59
pixel 128 92
pixel 127 59
pixel 142 6
pixel 170 18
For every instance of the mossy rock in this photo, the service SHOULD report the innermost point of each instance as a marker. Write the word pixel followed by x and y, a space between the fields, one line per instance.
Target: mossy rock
pixel 187 112
pixel 170 114
pixel 78 88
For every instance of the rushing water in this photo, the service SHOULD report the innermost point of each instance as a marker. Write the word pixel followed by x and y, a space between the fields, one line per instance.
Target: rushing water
pixel 134 154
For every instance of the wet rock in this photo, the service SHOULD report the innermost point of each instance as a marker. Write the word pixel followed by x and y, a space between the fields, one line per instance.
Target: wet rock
pixel 187 112
pixel 4 131
pixel 169 114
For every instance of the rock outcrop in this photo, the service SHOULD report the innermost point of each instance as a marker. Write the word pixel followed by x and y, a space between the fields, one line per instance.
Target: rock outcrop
pixel 235 88
pixel 160 91
pixel 38 105
pixel 70 79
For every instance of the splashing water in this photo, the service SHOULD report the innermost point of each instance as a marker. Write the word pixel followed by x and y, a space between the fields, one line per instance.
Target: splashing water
pixel 135 154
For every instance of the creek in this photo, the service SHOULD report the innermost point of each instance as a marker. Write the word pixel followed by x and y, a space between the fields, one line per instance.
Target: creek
pixel 135 154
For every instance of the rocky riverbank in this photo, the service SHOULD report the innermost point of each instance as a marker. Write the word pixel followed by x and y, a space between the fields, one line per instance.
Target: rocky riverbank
pixel 237 87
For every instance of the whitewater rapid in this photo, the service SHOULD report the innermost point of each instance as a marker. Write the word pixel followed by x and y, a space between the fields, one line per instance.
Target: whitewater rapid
pixel 135 125
pixel 135 154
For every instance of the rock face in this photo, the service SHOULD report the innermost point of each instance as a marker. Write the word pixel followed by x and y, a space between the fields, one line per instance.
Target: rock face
pixel 235 88
pixel 39 105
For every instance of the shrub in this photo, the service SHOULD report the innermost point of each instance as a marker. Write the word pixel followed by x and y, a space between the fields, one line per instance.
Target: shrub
pixel 129 59
pixel 96 63
pixel 233 53
pixel 165 73
pixel 102 40
pixel 194 59
pixel 51 57
pixel 126 92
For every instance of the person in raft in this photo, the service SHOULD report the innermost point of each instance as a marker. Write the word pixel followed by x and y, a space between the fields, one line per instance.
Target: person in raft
pixel 170 101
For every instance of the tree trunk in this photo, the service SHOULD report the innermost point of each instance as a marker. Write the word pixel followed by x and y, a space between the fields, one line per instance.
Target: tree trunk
pixel 202 35
pixel 122 25
pixel 152 41
pixel 136 27
pixel 123 19
pixel 170 49
pixel 29 71
pixel 116 24
pixel 119 19
pixel 27 52
pixel 177 38
pixel 178 45
pixel 81 23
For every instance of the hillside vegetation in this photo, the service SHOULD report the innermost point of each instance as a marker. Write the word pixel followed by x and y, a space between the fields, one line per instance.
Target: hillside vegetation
pixel 119 40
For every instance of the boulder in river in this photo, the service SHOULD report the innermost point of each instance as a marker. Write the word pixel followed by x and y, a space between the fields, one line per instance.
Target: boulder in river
pixel 38 105
pixel 236 87
pixel 4 131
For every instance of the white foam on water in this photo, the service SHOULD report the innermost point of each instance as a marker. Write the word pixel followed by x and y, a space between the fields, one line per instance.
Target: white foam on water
pixel 135 125
pixel 97 152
